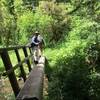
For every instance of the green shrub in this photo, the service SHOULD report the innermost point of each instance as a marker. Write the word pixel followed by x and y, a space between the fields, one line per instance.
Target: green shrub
pixel 71 76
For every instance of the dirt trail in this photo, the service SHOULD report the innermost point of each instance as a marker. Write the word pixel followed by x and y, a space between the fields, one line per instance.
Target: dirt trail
pixel 6 92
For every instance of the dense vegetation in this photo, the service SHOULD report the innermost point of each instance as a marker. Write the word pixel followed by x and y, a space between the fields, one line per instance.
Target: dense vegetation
pixel 71 31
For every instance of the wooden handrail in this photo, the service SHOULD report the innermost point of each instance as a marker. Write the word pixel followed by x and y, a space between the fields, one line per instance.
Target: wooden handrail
pixel 33 87
pixel 16 66
pixel 10 68
pixel 12 48
pixel 12 77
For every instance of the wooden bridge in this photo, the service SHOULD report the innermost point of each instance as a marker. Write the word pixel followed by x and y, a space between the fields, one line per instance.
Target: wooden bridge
pixel 33 86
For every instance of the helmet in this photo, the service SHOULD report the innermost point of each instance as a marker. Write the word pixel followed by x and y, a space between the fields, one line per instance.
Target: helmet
pixel 36 32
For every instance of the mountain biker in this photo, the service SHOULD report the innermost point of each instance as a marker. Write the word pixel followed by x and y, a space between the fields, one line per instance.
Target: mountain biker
pixel 37 45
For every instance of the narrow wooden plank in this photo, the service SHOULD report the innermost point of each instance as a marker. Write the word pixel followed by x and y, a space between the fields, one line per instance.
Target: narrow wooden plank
pixel 33 88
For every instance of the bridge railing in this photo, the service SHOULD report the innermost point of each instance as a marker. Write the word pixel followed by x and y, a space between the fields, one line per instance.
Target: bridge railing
pixel 10 69
pixel 33 86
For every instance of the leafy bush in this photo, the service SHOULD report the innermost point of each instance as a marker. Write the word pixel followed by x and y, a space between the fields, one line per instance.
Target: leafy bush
pixel 6 25
pixel 72 76
pixel 60 20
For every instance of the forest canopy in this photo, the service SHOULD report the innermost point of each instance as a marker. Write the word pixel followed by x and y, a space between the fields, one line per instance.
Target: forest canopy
pixel 52 18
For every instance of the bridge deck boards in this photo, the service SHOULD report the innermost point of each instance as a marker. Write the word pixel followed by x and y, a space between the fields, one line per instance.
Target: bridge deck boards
pixel 33 87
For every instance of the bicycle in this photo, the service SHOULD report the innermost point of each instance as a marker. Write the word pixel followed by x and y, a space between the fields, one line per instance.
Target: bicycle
pixel 36 54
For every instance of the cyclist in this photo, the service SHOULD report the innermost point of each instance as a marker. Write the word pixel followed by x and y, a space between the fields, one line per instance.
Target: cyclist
pixel 37 44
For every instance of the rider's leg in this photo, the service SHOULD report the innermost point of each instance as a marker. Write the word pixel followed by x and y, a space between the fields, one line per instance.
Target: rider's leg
pixel 40 49
pixel 39 52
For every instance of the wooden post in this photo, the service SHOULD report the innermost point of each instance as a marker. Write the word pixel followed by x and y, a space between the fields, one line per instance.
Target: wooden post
pixel 7 63
pixel 26 55
pixel 30 50
pixel 21 67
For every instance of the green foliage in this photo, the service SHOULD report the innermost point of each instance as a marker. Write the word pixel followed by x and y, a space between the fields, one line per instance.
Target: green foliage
pixel 71 79
pixel 52 22
pixel 24 24
pixel 61 20
pixel 5 23
pixel 71 61
pixel 19 8
pixel 50 19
